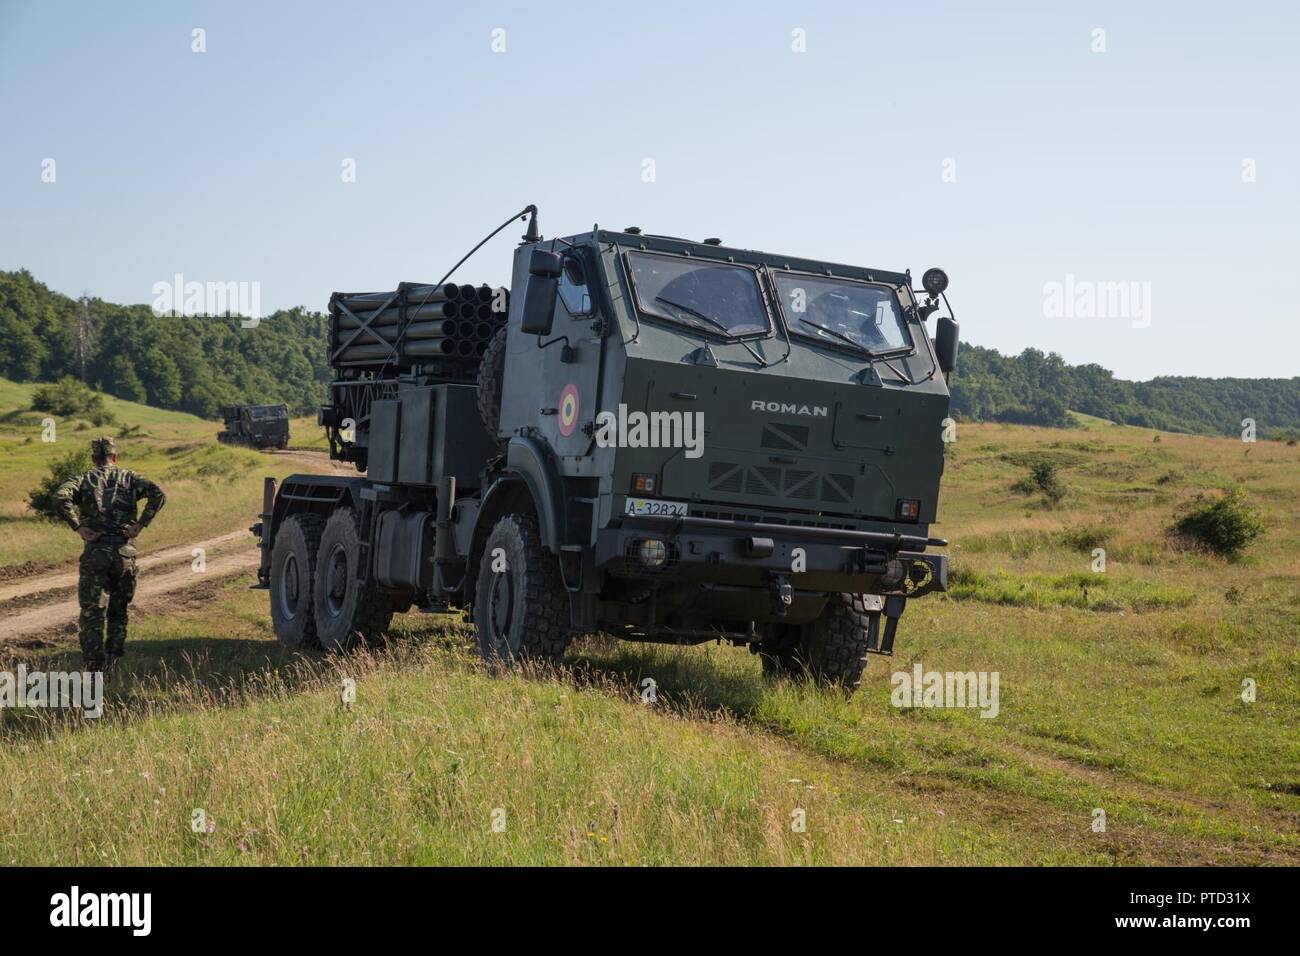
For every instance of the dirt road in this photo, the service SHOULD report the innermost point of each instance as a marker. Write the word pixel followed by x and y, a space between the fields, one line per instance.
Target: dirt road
pixel 45 602
pixel 48 602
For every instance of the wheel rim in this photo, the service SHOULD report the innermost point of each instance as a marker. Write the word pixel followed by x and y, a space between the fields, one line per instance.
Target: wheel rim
pixel 289 587
pixel 501 610
pixel 336 577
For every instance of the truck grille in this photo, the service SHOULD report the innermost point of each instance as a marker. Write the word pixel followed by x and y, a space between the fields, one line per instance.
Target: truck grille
pixel 772 482
pixel 800 484
pixel 724 476
pixel 837 488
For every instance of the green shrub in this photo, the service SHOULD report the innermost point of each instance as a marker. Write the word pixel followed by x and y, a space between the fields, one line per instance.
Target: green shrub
pixel 1086 538
pixel 1042 477
pixel 41 499
pixel 69 397
pixel 1224 525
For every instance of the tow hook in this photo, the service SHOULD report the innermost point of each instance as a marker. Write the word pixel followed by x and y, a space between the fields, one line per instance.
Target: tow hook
pixel 782 594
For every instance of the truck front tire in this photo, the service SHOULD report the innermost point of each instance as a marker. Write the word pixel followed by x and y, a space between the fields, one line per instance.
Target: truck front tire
pixel 293 570
pixel 520 606
pixel 832 649
pixel 345 609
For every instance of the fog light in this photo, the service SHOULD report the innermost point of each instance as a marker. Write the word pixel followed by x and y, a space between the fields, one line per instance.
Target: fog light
pixel 644 484
pixel 909 509
pixel 652 552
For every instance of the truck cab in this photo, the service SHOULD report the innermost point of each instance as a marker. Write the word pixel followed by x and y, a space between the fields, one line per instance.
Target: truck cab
pixel 260 426
pixel 675 441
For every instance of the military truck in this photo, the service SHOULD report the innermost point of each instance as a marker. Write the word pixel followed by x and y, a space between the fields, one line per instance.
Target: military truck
pixel 261 426
pixel 667 440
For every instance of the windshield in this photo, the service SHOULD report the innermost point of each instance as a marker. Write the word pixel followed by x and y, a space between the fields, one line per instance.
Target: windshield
pixel 844 312
pixel 712 296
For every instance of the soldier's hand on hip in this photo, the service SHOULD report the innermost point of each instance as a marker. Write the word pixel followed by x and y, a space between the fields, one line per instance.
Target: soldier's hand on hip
pixel 87 534
pixel 132 530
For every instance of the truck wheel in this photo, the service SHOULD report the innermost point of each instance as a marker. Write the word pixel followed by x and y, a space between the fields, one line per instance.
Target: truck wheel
pixel 491 374
pixel 345 609
pixel 832 649
pixel 293 569
pixel 520 605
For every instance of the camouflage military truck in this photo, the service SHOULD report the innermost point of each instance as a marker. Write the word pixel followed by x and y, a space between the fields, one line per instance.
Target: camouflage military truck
pixel 664 439
pixel 261 426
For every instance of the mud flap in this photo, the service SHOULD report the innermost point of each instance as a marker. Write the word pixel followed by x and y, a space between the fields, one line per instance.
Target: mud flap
pixel 894 605
pixel 871 605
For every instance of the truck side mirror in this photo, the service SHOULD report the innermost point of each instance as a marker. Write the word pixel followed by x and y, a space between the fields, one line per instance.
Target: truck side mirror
pixel 548 264
pixel 945 343
pixel 539 304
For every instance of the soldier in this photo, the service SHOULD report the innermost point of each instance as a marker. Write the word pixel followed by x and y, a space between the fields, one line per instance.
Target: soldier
pixel 101 507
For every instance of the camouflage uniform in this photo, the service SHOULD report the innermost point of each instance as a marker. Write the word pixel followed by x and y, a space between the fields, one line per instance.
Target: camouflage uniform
pixel 105 500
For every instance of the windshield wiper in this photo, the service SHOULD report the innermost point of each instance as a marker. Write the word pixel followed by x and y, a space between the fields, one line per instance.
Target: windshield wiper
pixel 839 335
pixel 872 358
pixel 695 314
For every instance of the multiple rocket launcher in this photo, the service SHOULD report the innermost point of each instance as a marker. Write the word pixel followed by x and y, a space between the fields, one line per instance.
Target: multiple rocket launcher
pixel 415 325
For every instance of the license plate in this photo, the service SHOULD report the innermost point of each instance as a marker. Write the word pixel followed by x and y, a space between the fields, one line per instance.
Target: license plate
pixel 641 507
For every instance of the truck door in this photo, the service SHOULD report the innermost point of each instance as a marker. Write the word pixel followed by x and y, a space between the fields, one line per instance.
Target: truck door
pixel 571 373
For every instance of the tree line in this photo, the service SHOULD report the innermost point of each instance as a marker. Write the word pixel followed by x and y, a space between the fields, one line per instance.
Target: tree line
pixel 188 363
pixel 1035 388
pixel 199 363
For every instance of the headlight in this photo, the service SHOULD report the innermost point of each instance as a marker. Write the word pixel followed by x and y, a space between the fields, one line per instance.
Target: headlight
pixel 652 553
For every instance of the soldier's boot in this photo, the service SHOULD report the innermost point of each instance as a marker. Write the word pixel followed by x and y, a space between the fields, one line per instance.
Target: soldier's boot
pixel 110 665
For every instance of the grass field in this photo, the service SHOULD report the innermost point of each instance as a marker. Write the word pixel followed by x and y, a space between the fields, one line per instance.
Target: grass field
pixel 1120 692
pixel 211 488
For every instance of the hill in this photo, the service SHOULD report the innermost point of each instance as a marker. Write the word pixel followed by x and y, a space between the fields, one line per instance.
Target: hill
pixel 211 488
pixel 1034 388
pixel 194 364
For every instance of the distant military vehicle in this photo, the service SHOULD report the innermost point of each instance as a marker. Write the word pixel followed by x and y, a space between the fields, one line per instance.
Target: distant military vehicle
pixel 261 426
pixel 666 440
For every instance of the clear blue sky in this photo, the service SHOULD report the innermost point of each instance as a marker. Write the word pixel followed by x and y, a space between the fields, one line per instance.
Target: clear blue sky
pixel 1122 166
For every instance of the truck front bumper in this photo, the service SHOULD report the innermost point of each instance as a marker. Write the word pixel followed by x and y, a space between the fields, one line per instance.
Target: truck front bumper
pixel 744 554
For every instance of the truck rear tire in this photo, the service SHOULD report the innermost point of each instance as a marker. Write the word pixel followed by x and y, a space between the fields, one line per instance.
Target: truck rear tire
pixel 520 605
pixel 346 610
pixel 491 375
pixel 832 649
pixel 293 571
